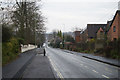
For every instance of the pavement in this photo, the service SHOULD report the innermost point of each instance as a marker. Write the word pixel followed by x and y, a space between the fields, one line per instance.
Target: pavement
pixel 68 66
pixel 15 68
pixel 30 64
pixel 40 67
pixel 113 62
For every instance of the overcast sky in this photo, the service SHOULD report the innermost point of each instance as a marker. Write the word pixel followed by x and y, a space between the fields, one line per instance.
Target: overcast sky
pixel 65 15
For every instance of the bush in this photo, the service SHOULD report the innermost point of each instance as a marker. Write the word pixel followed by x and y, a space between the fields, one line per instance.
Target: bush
pixel 79 49
pixel 86 51
pixel 107 51
pixel 21 41
pixel 6 33
pixel 114 54
pixel 10 50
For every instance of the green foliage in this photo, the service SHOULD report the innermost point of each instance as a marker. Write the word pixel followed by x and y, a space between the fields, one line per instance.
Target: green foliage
pixel 69 38
pixel 59 34
pixel 86 51
pixel 91 44
pixel 79 49
pixel 6 33
pixel 20 41
pixel 112 49
pixel 56 44
pixel 10 50
pixel 92 40
pixel 114 54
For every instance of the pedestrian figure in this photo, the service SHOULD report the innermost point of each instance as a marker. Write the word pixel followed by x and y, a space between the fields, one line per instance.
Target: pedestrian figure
pixel 44 52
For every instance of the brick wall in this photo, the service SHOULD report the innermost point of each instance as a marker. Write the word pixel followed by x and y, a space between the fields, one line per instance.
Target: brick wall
pixel 111 33
pixel 77 36
pixel 119 26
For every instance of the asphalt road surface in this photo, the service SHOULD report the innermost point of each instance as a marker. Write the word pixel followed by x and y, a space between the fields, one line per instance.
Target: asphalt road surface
pixel 66 65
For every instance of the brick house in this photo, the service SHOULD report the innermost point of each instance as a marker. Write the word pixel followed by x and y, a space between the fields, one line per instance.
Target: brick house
pixel 92 30
pixel 78 37
pixel 108 26
pixel 113 32
pixel 100 34
pixel 100 39
pixel 84 36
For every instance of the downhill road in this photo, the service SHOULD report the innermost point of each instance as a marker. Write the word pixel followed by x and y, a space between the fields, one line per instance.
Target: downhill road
pixel 67 65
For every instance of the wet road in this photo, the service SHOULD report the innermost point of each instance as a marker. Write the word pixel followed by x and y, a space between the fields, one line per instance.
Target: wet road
pixel 66 65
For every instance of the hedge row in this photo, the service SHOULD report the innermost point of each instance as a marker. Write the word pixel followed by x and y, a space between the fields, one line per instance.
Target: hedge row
pixel 10 50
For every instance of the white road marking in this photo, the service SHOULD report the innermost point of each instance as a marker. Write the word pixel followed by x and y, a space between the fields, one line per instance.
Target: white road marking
pixel 80 64
pixel 105 76
pixel 95 71
pixel 55 68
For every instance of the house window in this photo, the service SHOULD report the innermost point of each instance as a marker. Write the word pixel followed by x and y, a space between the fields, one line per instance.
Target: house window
pixel 114 29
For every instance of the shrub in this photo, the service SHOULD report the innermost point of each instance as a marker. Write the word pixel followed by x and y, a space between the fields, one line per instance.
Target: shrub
pixel 21 41
pixel 6 33
pixel 79 49
pixel 107 51
pixel 114 54
pixel 10 50
pixel 86 51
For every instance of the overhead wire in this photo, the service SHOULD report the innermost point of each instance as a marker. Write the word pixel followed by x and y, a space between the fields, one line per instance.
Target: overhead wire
pixel 108 13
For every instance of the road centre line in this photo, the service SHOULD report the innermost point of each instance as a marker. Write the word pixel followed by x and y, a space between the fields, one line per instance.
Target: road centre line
pixel 97 61
pixel 91 65
pixel 74 58
pixel 95 71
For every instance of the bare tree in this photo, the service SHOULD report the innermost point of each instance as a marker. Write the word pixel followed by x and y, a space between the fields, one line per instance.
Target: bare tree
pixel 28 21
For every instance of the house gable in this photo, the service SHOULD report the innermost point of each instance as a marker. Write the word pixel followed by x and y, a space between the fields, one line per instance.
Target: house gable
pixel 93 28
pixel 100 33
pixel 114 30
